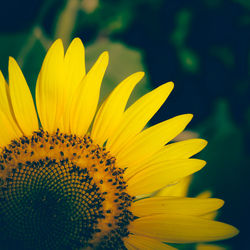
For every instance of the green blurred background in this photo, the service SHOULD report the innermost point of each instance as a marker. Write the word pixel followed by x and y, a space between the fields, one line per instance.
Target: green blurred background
pixel 201 45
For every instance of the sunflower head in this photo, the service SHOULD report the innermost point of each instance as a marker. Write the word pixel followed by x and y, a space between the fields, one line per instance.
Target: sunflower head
pixel 75 180
pixel 67 184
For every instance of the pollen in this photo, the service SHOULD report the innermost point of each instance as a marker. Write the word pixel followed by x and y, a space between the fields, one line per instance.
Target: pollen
pixel 61 191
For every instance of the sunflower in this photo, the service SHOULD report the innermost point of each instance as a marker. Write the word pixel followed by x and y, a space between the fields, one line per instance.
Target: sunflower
pixel 74 178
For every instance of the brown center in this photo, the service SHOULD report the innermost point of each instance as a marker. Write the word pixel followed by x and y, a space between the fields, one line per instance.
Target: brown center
pixel 61 192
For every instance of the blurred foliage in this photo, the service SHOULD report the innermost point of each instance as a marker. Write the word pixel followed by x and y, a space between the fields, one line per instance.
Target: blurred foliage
pixel 119 55
pixel 201 45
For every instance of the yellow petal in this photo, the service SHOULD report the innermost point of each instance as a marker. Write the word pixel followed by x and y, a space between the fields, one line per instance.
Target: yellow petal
pixel 149 141
pixel 86 97
pixel 129 246
pixel 179 150
pixel 50 88
pixel 210 216
pixel 158 176
pixel 21 99
pixel 6 107
pixel 179 189
pixel 181 228
pixel 137 116
pixel 74 73
pixel 175 205
pixel 7 133
pixel 144 243
pixel 111 111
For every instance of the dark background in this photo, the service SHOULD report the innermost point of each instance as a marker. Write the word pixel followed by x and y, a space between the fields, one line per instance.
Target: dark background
pixel 201 45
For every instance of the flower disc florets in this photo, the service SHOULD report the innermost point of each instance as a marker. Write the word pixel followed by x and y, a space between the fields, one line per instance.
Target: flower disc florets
pixel 61 191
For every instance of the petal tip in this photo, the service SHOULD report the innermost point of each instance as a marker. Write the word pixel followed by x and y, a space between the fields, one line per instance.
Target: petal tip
pixel 77 42
pixel 203 163
pixel 171 84
pixel 105 55
pixel 235 231
pixel 203 143
pixel 57 44
pixel 57 41
pixel 140 74
pixel 13 66
pixel 77 39
pixel 186 117
pixel 220 203
pixel 104 58
pixel 12 61
pixel 168 86
pixel 199 163
pixel 190 116
pixel 230 231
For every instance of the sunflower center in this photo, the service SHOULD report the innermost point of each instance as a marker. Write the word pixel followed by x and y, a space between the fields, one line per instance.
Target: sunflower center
pixel 61 192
